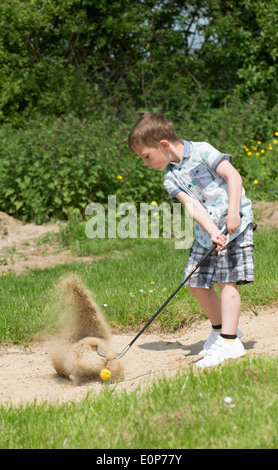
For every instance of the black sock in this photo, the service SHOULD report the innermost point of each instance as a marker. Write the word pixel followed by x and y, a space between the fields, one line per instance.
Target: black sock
pixel 217 327
pixel 228 337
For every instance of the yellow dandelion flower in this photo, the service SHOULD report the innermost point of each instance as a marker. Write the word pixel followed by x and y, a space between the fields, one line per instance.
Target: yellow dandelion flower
pixel 249 153
pixel 255 182
pixel 276 133
pixel 257 154
pixel 251 140
pixel 254 148
pixel 270 148
pixel 119 177
pixel 5 274
pixel 262 151
pixel 275 141
pixel 155 213
pixel 153 203
pixel 259 142
pixel 246 149
pixel 152 282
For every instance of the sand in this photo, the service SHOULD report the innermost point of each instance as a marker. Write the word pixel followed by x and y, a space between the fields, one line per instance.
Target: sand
pixel 27 374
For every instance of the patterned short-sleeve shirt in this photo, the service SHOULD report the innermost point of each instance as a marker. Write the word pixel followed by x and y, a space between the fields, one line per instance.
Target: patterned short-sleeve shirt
pixel 196 175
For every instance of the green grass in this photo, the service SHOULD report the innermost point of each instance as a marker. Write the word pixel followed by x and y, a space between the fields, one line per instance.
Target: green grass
pixel 122 281
pixel 189 408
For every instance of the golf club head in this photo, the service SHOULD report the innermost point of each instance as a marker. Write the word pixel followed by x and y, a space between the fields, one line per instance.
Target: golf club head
pixel 102 353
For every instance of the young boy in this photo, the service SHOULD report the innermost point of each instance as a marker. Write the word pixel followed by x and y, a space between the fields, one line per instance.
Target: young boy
pixel 204 180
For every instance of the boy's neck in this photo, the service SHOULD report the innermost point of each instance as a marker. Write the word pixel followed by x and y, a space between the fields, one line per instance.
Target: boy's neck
pixel 176 151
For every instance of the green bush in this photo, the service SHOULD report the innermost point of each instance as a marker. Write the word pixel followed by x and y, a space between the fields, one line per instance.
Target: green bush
pixel 51 168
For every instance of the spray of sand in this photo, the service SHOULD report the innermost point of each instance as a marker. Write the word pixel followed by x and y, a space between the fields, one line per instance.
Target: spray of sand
pixel 83 328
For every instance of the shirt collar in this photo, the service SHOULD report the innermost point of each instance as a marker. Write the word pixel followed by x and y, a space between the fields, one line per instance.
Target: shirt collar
pixel 186 152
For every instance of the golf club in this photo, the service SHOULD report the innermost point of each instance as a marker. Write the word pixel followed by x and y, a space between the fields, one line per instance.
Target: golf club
pixel 101 352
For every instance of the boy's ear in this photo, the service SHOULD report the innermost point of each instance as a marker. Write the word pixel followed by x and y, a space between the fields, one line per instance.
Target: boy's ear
pixel 165 144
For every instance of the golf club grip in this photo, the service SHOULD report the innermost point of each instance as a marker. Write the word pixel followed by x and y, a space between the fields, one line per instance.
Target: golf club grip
pixel 208 253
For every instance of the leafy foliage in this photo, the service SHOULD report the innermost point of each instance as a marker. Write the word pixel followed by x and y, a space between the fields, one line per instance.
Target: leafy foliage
pixel 53 168
pixel 97 57
pixel 76 74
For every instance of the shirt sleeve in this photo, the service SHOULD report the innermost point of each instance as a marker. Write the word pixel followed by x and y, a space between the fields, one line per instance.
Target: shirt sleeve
pixel 172 187
pixel 211 156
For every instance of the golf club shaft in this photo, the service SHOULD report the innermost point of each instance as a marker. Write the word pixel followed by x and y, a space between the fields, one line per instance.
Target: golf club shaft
pixel 208 253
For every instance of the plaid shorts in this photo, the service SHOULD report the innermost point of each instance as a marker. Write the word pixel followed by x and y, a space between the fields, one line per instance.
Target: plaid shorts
pixel 233 263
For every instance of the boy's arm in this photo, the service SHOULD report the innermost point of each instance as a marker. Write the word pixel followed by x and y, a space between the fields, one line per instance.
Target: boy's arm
pixel 234 180
pixel 200 215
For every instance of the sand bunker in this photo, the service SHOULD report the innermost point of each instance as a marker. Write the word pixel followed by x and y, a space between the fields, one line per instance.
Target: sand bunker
pixel 73 351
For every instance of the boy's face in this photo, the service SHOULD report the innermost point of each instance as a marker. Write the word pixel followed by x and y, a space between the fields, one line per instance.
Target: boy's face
pixel 155 158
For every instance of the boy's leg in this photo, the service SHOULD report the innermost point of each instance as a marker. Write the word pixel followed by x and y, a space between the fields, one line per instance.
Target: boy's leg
pixel 210 303
pixel 230 307
pixel 227 345
pixel 224 311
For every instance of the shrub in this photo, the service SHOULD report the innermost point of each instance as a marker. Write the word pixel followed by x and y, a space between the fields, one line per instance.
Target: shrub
pixel 52 168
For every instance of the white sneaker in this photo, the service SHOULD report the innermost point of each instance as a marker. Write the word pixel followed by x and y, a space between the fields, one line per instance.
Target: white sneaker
pixel 221 350
pixel 212 338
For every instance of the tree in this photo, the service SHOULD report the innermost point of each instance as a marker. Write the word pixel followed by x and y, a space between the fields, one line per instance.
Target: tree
pixel 97 57
pixel 240 48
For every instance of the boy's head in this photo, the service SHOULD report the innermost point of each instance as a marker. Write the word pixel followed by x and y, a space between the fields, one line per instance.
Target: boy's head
pixel 154 139
pixel 150 130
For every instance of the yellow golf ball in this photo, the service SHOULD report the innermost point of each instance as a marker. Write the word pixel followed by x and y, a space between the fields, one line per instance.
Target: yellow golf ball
pixel 105 374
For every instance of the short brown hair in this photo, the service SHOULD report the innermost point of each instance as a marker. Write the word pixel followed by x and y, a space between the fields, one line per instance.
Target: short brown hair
pixel 150 129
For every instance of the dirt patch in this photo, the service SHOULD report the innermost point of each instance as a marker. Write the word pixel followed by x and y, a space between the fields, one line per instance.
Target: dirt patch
pixel 27 374
pixel 22 248
pixel 266 213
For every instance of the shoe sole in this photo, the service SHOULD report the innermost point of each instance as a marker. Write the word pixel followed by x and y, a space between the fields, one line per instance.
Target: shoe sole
pixel 224 360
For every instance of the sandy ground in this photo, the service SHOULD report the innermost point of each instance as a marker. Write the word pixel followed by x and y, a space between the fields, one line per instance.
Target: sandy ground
pixel 27 374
